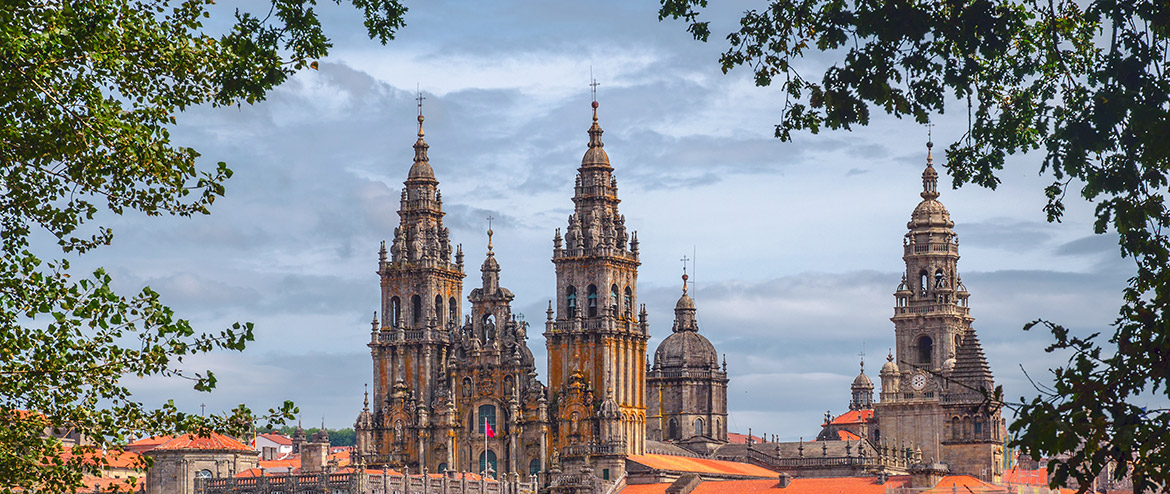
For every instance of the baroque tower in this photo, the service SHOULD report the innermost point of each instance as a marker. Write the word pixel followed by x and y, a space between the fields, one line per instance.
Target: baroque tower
pixel 687 390
pixel 597 340
pixel 421 288
pixel 934 383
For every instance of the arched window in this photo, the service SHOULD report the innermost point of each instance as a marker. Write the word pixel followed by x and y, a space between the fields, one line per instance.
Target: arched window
pixel 416 310
pixel 938 279
pixel 442 467
pixel 966 427
pixel 439 310
pixel 203 474
pixel 614 297
pixel 395 311
pixel 978 428
pixel 592 300
pixel 955 428
pixel 491 460
pixel 672 432
pixel 534 466
pixel 487 413
pixel 698 427
pixel 715 430
pixel 453 310
pixel 629 302
pixel 925 349
pixel 571 301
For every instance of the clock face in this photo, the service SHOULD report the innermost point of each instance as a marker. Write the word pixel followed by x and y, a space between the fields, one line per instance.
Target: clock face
pixel 918 382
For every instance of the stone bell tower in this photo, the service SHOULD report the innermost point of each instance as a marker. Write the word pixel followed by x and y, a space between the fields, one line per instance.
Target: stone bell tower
pixel 933 380
pixel 421 291
pixel 597 340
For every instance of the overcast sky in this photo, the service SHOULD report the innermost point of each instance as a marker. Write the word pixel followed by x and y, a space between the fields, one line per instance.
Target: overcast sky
pixel 797 245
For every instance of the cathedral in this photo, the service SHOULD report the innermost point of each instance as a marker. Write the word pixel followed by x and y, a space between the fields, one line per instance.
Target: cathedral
pixel 460 392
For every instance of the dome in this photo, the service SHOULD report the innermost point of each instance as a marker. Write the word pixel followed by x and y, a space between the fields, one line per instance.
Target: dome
pixel 685 302
pixel 862 381
pixel 421 170
pixel 595 155
pixel 930 213
pixel 889 368
pixel 686 349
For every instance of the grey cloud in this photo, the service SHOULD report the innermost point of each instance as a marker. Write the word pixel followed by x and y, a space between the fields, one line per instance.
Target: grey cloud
pixel 1005 233
pixel 1090 245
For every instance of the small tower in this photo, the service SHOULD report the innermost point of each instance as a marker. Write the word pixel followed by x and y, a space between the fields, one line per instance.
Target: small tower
pixel 861 391
pixel 687 389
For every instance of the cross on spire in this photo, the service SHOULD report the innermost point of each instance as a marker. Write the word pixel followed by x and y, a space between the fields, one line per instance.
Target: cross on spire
pixel 593 84
pixel 489 232
pixel 929 134
pixel 419 99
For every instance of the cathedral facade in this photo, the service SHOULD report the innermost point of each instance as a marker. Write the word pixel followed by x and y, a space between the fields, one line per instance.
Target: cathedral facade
pixel 455 391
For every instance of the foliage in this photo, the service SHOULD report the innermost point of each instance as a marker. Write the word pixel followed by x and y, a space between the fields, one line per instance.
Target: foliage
pixel 88 92
pixel 1085 82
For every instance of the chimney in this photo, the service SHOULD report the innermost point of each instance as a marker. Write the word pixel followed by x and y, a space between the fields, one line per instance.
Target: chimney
pixel 785 479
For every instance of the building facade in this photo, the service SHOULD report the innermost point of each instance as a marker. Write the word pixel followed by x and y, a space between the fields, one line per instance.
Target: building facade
pixel 441 379
pixel 936 384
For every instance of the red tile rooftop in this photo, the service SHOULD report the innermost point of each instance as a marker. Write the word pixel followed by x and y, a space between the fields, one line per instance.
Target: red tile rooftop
pixel 841 485
pixel 277 438
pixel 737 438
pixel 853 417
pixel 700 465
pixel 215 441
pixel 847 436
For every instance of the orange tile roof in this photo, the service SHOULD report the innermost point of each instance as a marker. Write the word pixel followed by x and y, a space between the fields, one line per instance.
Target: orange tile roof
pixel 700 465
pixel 853 417
pixel 105 484
pixel 147 443
pixel 215 441
pixel 840 485
pixel 114 459
pixel 847 436
pixel 737 438
pixel 277 438
pixel 646 488
pixel 1029 477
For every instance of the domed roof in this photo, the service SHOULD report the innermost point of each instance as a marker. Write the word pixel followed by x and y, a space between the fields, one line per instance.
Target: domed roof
pixel 930 213
pixel 685 302
pixel 421 170
pixel 686 349
pixel 595 155
pixel 890 367
pixel 862 381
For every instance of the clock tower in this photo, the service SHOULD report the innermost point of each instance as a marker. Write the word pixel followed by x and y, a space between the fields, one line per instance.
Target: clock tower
pixel 936 384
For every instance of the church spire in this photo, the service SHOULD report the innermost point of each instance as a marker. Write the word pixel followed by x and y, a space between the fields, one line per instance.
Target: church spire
pixel 929 176
pixel 596 155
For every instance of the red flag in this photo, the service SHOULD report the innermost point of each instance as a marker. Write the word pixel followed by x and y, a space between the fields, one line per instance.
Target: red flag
pixel 487 428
